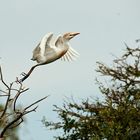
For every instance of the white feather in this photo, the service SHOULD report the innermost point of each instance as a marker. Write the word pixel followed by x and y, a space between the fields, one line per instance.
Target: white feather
pixel 50 49
pixel 70 55
pixel 45 41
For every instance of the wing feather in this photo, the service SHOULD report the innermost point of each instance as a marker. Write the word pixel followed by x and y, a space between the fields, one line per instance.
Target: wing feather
pixel 48 41
pixel 70 55
pixel 66 57
pixel 59 41
pixel 63 58
pixel 45 43
pixel 74 51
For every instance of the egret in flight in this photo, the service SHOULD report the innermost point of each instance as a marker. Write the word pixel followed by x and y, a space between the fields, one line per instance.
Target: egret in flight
pixel 50 49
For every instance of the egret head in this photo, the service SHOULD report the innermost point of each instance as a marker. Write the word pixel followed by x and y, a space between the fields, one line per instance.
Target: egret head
pixel 70 35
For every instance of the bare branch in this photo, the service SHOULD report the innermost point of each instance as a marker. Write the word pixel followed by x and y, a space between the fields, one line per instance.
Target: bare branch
pixel 1 77
pixel 35 102
pixel 10 115
pixel 7 101
pixel 9 125
pixel 19 115
pixel 3 91
pixel 32 110
pixel 3 95
pixel 19 92
pixel 17 124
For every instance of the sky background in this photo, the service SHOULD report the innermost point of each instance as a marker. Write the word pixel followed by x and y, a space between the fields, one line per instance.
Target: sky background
pixel 104 26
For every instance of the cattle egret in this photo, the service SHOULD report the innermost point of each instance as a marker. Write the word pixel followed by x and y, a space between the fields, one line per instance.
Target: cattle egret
pixel 50 49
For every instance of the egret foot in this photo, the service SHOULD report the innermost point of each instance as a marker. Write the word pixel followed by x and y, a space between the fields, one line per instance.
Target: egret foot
pixel 17 80
pixel 23 74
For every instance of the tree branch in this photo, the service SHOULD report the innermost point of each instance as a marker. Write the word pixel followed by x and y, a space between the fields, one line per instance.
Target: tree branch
pixel 17 95
pixel 19 115
pixel 10 115
pixel 7 101
pixel 17 124
pixel 1 77
pixel 10 124
pixel 35 102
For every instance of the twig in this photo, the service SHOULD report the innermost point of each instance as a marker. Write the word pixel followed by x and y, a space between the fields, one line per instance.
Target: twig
pixel 35 102
pixel 34 109
pixel 16 115
pixel 3 91
pixel 1 76
pixel 17 95
pixel 3 95
pixel 17 124
pixel 7 101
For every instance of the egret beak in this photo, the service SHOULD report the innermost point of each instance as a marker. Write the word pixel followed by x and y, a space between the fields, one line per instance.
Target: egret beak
pixel 75 33
pixel 70 35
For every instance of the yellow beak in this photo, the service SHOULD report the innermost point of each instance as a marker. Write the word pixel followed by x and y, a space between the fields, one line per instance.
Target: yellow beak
pixel 75 33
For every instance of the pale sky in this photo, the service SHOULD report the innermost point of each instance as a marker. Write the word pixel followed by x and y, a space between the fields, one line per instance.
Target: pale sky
pixel 104 26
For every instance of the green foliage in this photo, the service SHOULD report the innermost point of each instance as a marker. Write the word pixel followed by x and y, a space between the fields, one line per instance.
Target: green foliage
pixel 115 118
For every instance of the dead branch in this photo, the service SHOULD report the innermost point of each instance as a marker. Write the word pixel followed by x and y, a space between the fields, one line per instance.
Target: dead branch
pixel 19 115
pixel 19 92
pixel 3 91
pixel 10 115
pixel 35 102
pixel 17 95
pixel 7 101
pixel 1 78
pixel 17 124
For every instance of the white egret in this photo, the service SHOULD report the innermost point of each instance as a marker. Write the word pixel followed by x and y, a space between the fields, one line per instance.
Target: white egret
pixel 50 49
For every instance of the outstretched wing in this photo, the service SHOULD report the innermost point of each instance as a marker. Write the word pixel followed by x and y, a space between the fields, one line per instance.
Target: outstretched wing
pixel 70 55
pixel 46 42
pixel 59 41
